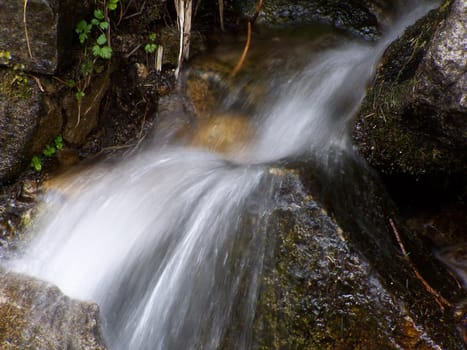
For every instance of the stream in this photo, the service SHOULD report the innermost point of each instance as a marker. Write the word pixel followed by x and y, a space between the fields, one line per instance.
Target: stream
pixel 168 241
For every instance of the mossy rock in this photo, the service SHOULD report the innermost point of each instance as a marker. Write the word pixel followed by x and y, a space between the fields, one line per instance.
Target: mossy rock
pixel 413 120
pixel 36 315
pixel 29 119
pixel 323 288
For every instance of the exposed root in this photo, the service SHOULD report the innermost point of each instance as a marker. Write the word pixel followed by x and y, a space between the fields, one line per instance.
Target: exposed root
pixel 440 300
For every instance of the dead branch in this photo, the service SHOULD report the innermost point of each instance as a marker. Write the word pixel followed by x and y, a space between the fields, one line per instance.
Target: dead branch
pixel 440 300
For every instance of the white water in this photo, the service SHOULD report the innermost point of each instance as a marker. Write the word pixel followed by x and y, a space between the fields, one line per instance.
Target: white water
pixel 168 242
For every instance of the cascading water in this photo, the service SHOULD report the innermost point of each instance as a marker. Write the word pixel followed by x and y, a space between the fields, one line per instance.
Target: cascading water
pixel 168 242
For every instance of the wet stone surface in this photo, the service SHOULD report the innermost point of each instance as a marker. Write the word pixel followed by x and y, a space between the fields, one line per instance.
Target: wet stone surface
pixel 36 315
pixel 320 292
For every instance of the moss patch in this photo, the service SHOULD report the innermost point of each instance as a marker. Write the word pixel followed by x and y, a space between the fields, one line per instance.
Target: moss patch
pixel 394 131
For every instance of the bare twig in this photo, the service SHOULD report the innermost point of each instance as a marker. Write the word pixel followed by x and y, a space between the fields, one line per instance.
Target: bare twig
pixel 38 82
pixel 140 12
pixel 258 8
pixel 133 51
pixel 79 114
pixel 248 40
pixel 244 53
pixel 26 27
pixel 440 300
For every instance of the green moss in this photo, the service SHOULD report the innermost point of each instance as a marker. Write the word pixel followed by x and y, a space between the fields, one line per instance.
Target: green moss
pixel 394 132
pixel 299 305
pixel 12 87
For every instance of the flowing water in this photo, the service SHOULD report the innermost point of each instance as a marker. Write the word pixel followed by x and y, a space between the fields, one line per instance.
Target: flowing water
pixel 168 241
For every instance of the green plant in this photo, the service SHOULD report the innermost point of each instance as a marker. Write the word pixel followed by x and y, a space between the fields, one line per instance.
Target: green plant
pixel 20 76
pixel 151 46
pixel 94 35
pixel 49 151
pixel 100 47
pixel 36 163
pixel 5 57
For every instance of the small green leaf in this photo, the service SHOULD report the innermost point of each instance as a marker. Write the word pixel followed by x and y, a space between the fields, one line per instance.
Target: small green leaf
pixel 101 39
pixel 70 83
pixel 49 151
pixel 104 25
pixel 36 163
pixel 81 26
pixel 58 142
pixel 99 14
pixel 150 48
pixel 106 52
pixel 112 4
pixel 96 50
pixel 79 95
pixel 95 22
pixel 83 37
pixel 152 36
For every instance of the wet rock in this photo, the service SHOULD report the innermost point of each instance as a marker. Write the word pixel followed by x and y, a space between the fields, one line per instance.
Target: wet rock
pixel 43 42
pixel 338 282
pixel 414 119
pixel 29 119
pixel 353 15
pixel 169 38
pixel 83 117
pixel 36 315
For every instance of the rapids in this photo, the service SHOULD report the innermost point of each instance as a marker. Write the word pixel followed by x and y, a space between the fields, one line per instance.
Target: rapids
pixel 166 239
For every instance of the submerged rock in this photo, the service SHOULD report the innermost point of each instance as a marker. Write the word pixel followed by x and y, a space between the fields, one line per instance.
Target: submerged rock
pixel 225 133
pixel 414 118
pixel 36 315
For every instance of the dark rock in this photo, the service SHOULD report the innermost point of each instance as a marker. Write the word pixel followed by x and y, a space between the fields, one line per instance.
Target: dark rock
pixel 29 119
pixel 414 118
pixel 36 315
pixel 343 283
pixel 358 17
pixel 83 117
pixel 43 44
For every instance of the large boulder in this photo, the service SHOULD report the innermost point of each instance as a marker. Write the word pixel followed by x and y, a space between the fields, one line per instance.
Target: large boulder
pixel 413 120
pixel 342 281
pixel 36 315
pixel 38 33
